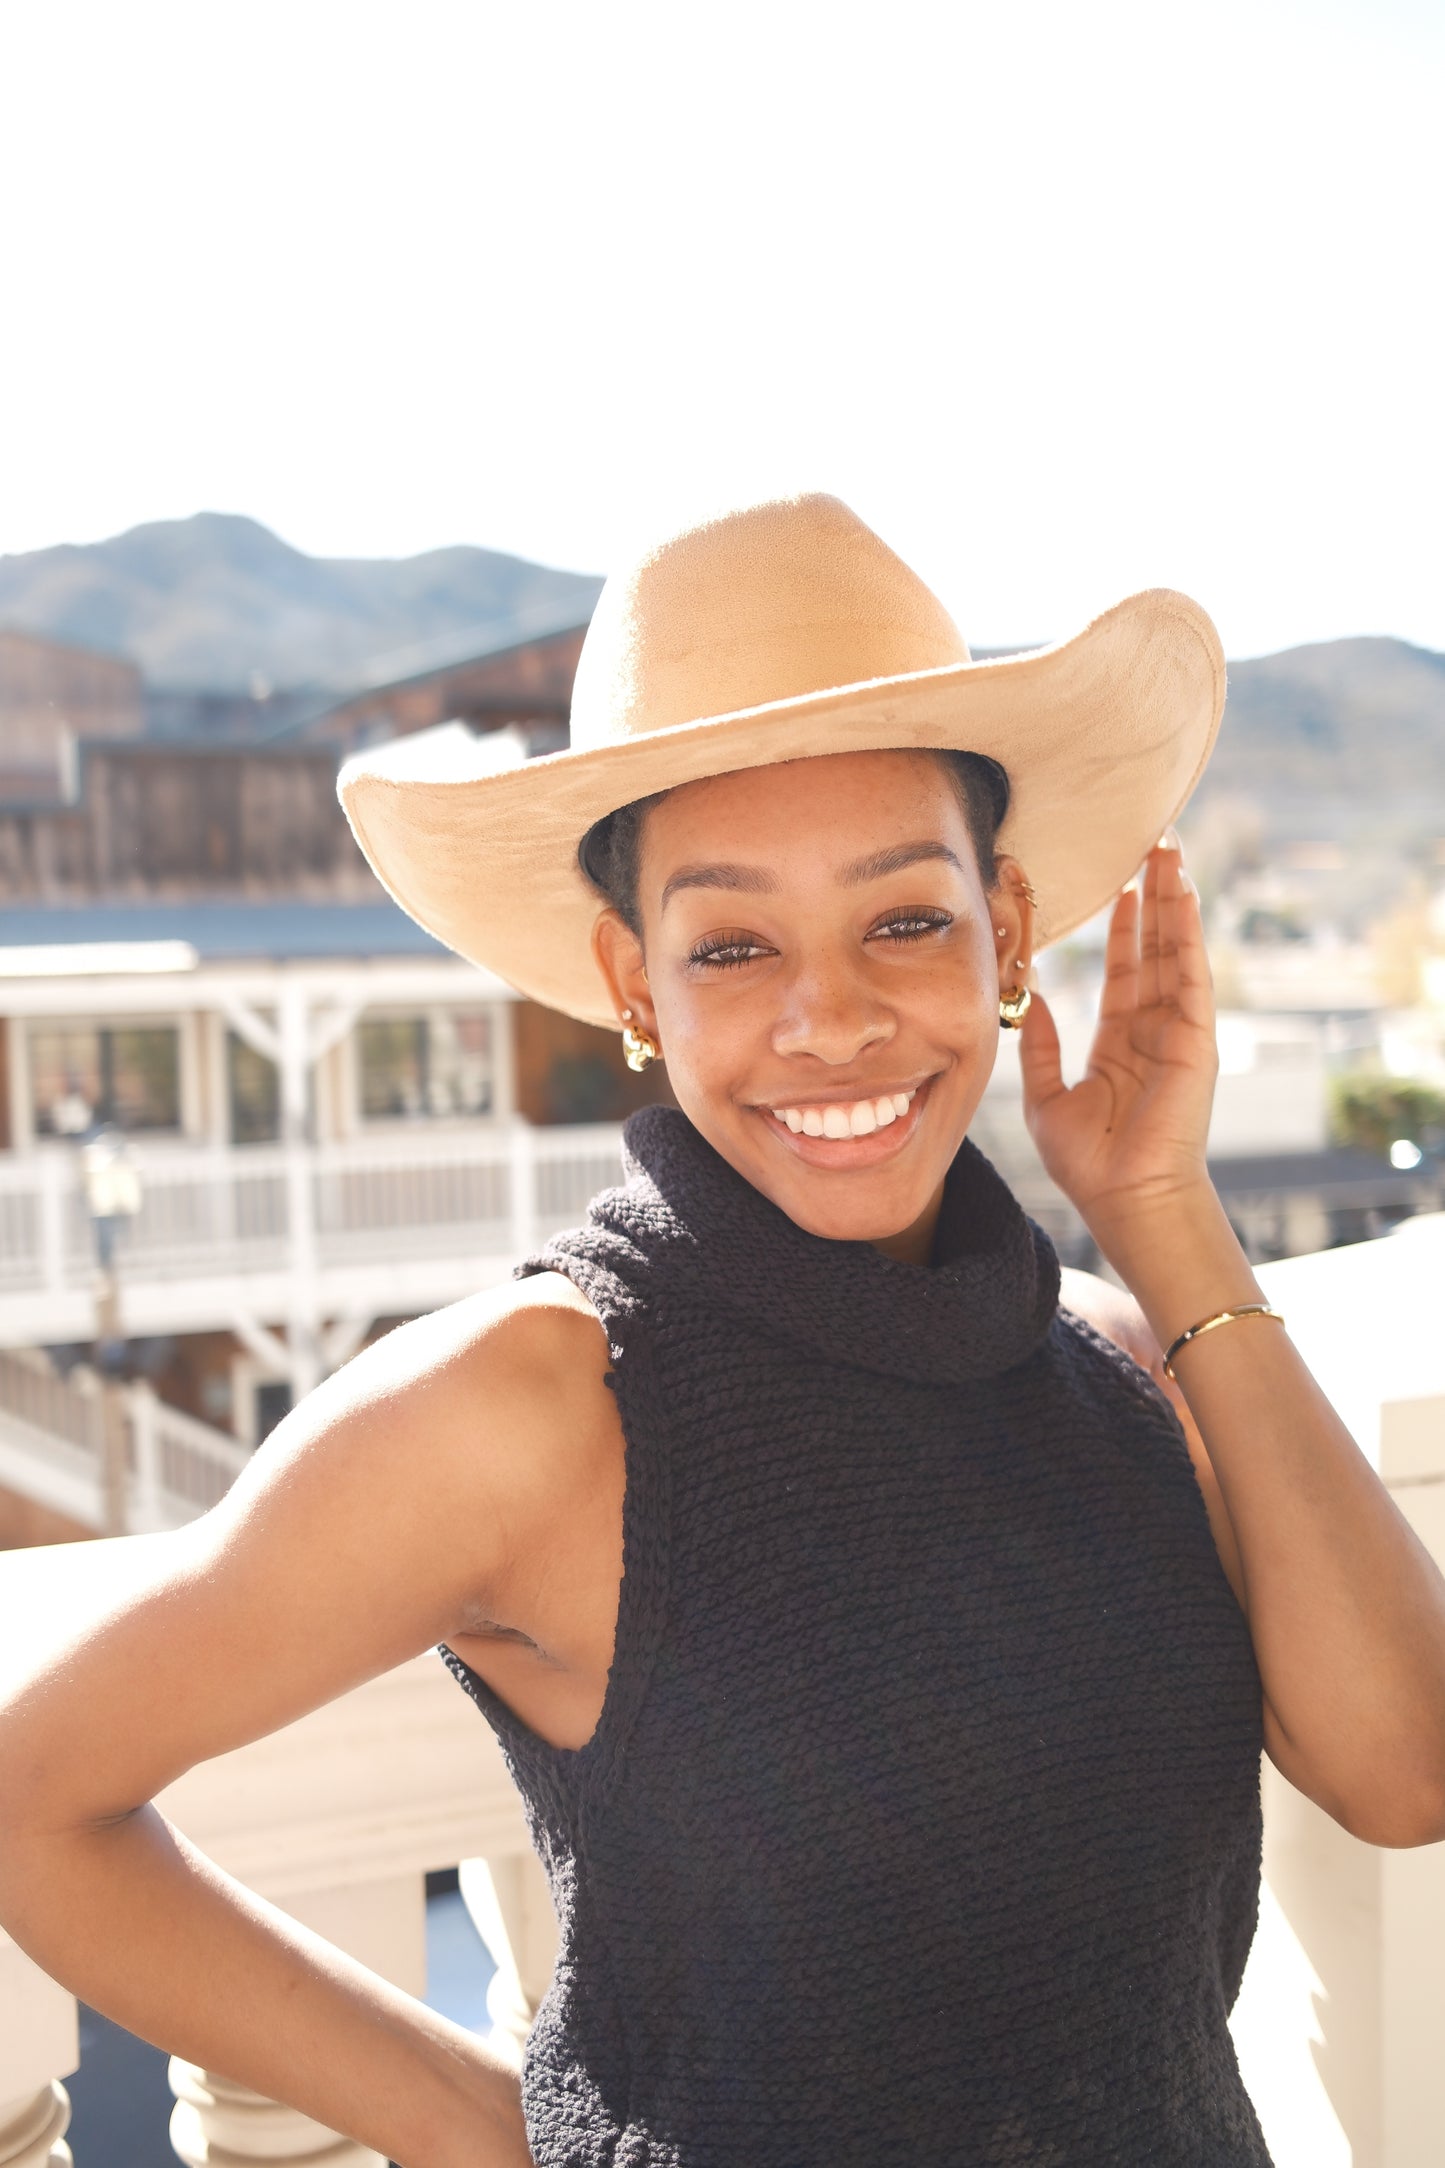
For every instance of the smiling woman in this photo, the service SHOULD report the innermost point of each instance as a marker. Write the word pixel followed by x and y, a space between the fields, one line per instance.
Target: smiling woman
pixel 883 1645
pixel 861 990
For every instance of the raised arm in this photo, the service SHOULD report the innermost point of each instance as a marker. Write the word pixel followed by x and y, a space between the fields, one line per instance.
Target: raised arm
pixel 379 1519
pixel 1345 1606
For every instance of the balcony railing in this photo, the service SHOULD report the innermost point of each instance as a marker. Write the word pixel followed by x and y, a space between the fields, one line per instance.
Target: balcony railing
pixel 52 1448
pixel 380 1225
pixel 236 1208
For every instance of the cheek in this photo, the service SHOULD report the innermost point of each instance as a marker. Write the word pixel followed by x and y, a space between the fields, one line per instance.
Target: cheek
pixel 710 1029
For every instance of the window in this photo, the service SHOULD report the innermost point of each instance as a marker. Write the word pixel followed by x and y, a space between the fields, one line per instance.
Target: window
pixel 255 1088
pixel 127 1074
pixel 425 1067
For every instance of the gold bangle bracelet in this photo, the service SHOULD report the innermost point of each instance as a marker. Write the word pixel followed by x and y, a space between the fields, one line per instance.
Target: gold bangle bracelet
pixel 1220 1317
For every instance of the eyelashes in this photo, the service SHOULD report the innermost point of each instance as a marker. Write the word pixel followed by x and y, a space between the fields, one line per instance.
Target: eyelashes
pixel 726 952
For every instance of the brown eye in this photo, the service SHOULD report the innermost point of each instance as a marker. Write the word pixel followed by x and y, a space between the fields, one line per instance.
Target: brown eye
pixel 914 924
pixel 722 952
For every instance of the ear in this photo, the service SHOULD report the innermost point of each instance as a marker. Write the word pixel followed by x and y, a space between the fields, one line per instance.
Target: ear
pixel 618 953
pixel 1011 909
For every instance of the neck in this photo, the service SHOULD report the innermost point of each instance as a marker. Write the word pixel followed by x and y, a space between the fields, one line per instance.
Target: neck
pixel 913 1244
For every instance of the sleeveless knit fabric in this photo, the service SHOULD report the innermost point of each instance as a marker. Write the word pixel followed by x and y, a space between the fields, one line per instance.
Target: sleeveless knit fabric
pixel 921 1823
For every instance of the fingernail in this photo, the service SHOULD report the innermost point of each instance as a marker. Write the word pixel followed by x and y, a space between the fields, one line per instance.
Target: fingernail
pixel 1186 880
pixel 1169 841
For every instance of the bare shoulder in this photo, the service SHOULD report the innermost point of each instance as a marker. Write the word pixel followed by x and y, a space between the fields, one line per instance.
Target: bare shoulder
pixel 377 1520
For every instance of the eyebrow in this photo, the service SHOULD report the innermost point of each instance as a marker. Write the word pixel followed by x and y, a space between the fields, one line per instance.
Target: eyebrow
pixel 896 859
pixel 758 881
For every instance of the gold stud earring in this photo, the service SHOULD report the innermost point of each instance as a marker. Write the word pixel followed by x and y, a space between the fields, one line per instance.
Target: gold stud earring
pixel 1013 1007
pixel 638 1047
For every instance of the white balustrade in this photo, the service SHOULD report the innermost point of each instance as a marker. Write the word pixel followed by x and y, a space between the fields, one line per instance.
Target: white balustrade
pixel 39 2045
pixel 216 2123
pixel 32 2129
pixel 285 1229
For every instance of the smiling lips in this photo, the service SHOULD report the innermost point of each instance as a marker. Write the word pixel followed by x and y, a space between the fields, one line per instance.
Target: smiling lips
pixel 853 1118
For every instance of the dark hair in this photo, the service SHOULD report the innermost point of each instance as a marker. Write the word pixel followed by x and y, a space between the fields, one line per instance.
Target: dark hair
pixel 610 854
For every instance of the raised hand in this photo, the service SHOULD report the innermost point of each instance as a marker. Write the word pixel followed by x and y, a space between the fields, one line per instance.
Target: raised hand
pixel 1130 1135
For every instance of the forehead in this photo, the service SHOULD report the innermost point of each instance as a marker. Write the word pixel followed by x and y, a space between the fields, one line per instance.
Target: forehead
pixel 840 802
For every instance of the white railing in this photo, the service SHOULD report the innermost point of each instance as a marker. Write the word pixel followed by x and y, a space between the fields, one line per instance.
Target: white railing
pixel 52 1447
pixel 235 1211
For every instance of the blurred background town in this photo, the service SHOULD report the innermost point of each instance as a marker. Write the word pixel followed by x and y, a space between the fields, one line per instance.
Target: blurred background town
pixel 249 1101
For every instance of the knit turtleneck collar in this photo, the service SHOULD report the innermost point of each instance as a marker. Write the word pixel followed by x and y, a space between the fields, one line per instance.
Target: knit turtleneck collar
pixel 982 1306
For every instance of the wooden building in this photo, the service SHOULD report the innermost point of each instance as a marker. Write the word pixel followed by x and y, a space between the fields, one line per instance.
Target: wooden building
pixel 52 695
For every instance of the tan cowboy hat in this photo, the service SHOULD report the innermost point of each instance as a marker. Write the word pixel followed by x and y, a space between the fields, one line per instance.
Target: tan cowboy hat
pixel 771 633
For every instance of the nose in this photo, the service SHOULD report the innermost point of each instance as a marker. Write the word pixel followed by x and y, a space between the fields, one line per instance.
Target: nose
pixel 831 1013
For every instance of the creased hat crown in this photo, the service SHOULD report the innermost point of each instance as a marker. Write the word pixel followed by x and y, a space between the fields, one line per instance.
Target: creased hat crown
pixel 769 603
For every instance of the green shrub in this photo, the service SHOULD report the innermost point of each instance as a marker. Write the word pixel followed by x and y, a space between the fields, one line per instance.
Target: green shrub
pixel 1372 1111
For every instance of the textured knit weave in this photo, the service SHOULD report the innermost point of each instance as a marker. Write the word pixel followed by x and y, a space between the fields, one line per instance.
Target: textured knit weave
pixel 921 1824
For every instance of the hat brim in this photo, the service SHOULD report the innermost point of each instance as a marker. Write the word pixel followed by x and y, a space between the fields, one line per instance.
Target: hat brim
pixel 1103 735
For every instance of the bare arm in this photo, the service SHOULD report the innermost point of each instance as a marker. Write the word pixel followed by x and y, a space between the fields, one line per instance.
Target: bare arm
pixel 1346 1608
pixel 371 1526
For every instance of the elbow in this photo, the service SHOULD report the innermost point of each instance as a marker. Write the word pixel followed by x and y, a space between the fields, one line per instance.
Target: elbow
pixel 1408 1817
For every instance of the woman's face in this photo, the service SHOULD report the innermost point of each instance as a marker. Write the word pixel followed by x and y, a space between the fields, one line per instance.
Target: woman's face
pixel 819 954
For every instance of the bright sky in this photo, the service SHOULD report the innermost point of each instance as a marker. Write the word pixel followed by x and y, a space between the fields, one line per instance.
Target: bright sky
pixel 1066 299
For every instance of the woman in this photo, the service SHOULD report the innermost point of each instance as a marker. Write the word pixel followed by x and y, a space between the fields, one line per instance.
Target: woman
pixel 884 1660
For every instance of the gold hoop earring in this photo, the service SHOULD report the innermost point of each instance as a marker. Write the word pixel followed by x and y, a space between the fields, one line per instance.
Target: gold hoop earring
pixel 638 1047
pixel 1013 1007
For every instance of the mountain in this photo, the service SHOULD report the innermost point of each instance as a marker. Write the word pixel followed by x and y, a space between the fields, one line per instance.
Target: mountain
pixel 1327 783
pixel 219 601
pixel 1355 722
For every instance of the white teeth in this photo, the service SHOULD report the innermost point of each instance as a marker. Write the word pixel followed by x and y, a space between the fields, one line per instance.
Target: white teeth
pixel 859 1118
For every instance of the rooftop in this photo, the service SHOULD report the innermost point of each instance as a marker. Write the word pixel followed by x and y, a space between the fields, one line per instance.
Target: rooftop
pixel 242 930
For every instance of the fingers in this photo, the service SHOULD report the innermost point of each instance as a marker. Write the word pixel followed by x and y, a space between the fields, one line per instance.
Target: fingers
pixel 1040 1064
pixel 1120 996
pixel 1193 981
pixel 1156 923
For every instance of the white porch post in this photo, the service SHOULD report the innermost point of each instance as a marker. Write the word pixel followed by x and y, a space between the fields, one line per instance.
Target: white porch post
pixel 140 1406
pixel 303 1309
pixel 38 2045
pixel 522 1172
pixel 56 1179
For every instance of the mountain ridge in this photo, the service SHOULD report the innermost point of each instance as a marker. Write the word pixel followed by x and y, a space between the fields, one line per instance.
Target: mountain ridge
pixel 1337 737
pixel 218 601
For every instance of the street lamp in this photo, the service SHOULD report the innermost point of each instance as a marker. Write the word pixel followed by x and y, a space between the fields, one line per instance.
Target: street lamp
pixel 113 1195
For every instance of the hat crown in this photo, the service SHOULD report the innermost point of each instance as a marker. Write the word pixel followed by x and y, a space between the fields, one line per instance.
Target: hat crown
pixel 767 603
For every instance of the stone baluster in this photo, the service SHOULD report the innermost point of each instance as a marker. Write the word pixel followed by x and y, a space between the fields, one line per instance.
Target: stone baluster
pixel 216 2123
pixel 32 2129
pixel 39 2044
pixel 511 1909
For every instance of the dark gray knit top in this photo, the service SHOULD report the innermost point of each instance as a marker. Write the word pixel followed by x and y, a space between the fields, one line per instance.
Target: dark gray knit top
pixel 921 1824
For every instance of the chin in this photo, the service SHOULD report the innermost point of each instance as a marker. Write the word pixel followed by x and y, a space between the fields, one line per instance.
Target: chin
pixel 819 1204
